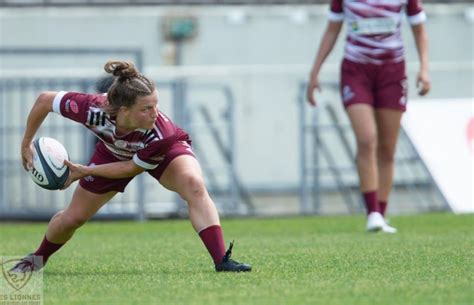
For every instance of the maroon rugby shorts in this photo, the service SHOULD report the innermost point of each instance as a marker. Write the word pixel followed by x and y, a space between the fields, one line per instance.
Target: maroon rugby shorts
pixel 382 86
pixel 102 155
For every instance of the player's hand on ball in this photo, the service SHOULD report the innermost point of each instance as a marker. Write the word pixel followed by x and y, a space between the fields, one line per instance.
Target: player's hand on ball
pixel 76 172
pixel 27 156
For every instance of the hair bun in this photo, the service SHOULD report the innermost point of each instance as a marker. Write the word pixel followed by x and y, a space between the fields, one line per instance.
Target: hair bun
pixel 121 69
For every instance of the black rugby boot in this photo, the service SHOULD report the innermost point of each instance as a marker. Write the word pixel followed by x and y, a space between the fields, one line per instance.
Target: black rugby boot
pixel 229 265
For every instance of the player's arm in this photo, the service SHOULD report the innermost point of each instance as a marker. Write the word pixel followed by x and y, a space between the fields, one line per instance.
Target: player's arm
pixel 421 39
pixel 114 170
pixel 325 47
pixel 40 110
pixel 144 159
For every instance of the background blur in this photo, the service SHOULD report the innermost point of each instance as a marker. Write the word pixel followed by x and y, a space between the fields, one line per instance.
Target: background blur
pixel 232 73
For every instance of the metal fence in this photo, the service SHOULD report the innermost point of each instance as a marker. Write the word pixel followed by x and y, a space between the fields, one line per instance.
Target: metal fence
pixel 326 155
pixel 20 198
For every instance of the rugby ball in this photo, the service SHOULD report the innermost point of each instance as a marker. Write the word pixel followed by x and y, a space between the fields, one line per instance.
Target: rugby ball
pixel 49 170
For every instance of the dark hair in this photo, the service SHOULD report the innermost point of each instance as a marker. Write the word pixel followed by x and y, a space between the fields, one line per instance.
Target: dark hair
pixel 128 84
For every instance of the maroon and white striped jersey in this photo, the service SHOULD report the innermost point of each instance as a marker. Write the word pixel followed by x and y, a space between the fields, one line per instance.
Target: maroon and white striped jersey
pixel 147 147
pixel 373 34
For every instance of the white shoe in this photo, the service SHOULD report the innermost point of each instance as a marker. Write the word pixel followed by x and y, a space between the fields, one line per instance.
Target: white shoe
pixel 375 222
pixel 389 229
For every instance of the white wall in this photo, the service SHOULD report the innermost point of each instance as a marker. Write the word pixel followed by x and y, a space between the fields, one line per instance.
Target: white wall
pixel 261 52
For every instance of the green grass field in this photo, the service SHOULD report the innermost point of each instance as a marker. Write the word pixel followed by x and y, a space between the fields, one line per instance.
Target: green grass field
pixel 305 260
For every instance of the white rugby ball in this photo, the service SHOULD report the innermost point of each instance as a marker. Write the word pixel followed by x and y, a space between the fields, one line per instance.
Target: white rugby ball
pixel 49 170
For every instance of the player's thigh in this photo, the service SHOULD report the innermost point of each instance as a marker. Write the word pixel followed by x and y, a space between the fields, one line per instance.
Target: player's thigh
pixel 182 171
pixel 363 123
pixel 85 204
pixel 178 163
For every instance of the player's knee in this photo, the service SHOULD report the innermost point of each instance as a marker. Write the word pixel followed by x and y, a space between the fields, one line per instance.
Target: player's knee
pixel 193 187
pixel 386 154
pixel 57 215
pixel 367 144
pixel 73 221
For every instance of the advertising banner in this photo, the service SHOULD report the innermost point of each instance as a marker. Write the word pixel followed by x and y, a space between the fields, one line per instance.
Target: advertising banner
pixel 442 132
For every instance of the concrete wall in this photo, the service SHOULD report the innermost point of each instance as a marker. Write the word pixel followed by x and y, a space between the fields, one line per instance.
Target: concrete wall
pixel 262 53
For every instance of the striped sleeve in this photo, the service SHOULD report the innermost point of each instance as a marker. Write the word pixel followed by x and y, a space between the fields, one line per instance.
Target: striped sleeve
pixel 415 12
pixel 336 11
pixel 73 105
pixel 57 101
pixel 417 19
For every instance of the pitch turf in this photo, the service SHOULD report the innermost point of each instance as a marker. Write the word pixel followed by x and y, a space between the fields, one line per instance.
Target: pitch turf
pixel 306 260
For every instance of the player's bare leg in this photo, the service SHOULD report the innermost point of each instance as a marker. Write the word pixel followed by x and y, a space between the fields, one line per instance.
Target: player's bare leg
pixel 365 129
pixel 184 176
pixel 83 206
pixel 62 226
pixel 388 125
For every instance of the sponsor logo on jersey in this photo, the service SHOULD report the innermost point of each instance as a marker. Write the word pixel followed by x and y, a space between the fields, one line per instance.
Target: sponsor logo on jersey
pixel 121 143
pixel 157 159
pixel 404 85
pixel 90 178
pixel 74 107
pixel 371 26
pixel 347 94
pixel 403 100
